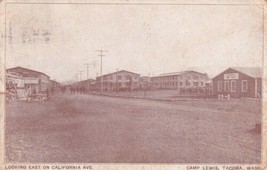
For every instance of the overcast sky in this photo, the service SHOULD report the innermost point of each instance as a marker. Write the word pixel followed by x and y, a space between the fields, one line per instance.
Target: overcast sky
pixel 59 39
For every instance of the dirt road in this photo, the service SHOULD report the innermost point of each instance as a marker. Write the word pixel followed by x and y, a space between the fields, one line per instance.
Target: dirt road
pixel 87 128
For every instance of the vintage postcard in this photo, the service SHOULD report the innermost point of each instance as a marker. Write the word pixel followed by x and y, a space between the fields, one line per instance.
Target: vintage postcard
pixel 131 84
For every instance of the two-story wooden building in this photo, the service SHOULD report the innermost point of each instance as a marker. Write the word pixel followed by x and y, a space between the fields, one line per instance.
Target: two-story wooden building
pixel 88 84
pixel 120 80
pixel 184 81
pixel 239 82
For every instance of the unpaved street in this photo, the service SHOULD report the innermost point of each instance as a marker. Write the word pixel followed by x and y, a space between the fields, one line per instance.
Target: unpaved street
pixel 88 128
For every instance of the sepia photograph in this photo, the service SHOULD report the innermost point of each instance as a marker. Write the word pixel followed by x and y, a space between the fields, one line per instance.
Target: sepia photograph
pixel 131 82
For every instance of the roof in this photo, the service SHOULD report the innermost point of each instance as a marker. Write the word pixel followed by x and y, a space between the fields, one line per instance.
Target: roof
pixel 13 74
pixel 54 81
pixel 11 69
pixel 88 80
pixel 91 81
pixel 179 73
pixel 255 72
pixel 119 72
pixel 10 73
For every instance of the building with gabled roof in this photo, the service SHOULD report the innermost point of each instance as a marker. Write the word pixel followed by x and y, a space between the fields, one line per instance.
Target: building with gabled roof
pixel 34 80
pixel 25 72
pixel 119 80
pixel 88 84
pixel 184 81
pixel 255 72
pixel 239 82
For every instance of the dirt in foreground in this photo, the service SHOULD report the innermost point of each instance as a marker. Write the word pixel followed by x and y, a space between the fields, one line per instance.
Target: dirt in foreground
pixel 97 129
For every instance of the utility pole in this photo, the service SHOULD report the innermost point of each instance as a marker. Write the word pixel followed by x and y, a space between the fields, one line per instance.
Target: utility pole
pixel 117 81
pixel 80 73
pixel 178 85
pixel 87 67
pixel 87 70
pixel 101 78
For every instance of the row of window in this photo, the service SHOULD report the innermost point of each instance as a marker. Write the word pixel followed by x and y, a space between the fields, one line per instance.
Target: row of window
pixel 232 86
pixel 195 77
pixel 166 84
pixel 127 77
pixel 164 78
pixel 187 83
pixel 120 84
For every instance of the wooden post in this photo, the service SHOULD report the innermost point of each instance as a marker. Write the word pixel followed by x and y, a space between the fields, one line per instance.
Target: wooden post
pixel 256 88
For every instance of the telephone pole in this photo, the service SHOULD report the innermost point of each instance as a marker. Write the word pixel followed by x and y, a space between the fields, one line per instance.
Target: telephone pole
pixel 87 68
pixel 77 76
pixel 101 56
pixel 80 74
pixel 117 80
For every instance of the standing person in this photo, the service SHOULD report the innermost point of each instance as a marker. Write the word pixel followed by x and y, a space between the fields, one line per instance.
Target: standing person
pixel 74 90
pixel 34 93
pixel 81 89
pixel 47 93
pixel 77 90
pixel 71 89
pixel 64 89
pixel 52 90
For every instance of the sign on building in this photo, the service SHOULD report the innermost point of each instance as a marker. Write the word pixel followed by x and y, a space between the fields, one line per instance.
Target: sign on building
pixel 231 76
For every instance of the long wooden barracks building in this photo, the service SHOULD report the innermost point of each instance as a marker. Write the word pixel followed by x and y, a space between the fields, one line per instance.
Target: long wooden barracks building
pixel 182 79
pixel 33 80
pixel 120 80
pixel 239 82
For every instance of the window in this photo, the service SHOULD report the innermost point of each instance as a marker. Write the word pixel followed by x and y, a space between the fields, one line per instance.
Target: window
pixel 226 86
pixel 219 85
pixel 195 83
pixel 233 86
pixel 119 77
pixel 181 83
pixel 187 83
pixel 187 76
pixel 244 85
